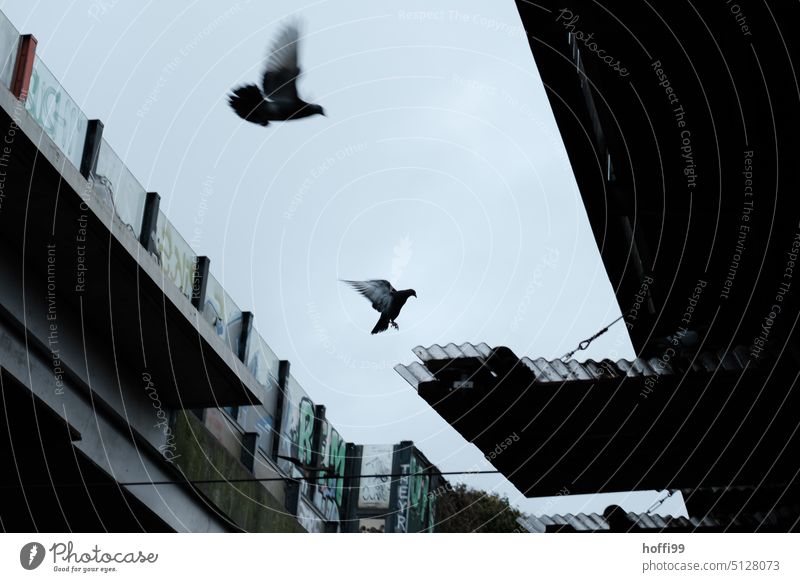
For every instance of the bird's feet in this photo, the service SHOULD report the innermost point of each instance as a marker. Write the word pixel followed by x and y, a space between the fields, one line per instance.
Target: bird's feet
pixel 394 325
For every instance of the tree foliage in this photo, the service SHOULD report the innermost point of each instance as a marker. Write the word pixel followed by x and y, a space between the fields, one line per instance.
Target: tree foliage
pixel 463 510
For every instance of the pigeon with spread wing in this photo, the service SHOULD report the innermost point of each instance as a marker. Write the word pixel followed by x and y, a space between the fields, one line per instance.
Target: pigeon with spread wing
pixel 277 98
pixel 385 299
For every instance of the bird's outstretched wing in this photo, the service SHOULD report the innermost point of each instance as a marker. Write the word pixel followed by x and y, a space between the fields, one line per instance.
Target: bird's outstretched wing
pixel 282 70
pixel 378 291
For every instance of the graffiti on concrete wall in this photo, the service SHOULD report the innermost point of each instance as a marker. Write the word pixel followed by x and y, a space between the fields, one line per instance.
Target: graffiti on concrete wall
pixel 298 436
pixel 420 504
pixel 303 434
pixel 56 112
pixel 178 261
pixel 374 491
pixel 9 39
pixel 262 361
pixel 372 525
pixel 256 419
pixel 115 186
pixel 297 428
pixel 401 519
pixel 219 310
pixel 334 454
pixel 309 519
pixel 263 427
pixel 413 505
pixel 324 489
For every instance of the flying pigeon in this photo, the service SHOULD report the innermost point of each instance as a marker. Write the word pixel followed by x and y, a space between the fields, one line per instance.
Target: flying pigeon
pixel 277 99
pixel 385 299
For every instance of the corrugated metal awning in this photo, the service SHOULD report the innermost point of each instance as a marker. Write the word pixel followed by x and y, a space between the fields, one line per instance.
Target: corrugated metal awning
pixel 572 370
pixel 594 522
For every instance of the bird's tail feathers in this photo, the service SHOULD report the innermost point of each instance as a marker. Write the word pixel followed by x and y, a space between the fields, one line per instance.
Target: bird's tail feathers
pixel 246 101
pixel 382 325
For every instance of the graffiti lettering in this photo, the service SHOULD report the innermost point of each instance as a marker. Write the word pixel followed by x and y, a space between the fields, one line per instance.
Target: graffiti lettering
pixel 222 313
pixel 420 504
pixel 56 113
pixel 177 259
pixel 401 526
pixel 335 458
pixel 305 431
pixel 375 491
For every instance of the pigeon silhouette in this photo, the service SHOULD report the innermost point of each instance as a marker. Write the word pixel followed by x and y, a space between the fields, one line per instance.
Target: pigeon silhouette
pixel 277 99
pixel 385 299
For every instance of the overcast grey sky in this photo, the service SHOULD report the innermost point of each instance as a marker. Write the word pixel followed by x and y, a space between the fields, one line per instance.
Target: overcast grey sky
pixel 439 167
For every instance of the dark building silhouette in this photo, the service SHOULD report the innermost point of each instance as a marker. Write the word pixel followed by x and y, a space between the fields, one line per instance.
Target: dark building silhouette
pixel 680 122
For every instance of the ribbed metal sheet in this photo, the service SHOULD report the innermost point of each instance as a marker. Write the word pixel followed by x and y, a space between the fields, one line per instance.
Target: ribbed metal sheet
pixel 588 522
pixel 414 373
pixel 573 370
pixel 452 351
pixel 735 359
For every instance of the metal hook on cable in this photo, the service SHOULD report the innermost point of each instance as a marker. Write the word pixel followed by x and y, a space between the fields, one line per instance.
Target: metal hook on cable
pixel 659 502
pixel 587 342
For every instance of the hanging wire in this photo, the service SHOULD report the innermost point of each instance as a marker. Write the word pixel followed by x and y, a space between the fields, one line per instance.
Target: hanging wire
pixel 308 478
pixel 311 478
pixel 587 342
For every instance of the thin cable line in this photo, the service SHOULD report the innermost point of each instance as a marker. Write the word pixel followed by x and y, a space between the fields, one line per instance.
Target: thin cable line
pixel 585 343
pixel 253 479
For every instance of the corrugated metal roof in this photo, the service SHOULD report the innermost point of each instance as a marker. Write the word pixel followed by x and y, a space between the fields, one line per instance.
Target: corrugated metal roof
pixel 451 351
pixel 595 522
pixel 572 370
pixel 414 373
